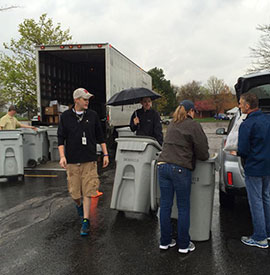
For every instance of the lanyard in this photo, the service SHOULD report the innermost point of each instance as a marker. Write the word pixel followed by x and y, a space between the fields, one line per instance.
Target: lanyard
pixel 80 118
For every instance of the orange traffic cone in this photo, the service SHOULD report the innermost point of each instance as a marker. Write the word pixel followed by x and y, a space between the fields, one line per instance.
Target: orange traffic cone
pixel 97 195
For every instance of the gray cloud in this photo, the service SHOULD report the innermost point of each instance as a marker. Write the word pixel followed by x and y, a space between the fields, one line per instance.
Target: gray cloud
pixel 190 40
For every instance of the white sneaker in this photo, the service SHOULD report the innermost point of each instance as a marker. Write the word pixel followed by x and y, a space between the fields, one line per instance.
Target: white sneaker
pixel 191 247
pixel 165 247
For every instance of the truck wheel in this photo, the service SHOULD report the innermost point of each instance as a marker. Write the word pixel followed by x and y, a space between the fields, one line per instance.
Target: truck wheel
pixel 226 200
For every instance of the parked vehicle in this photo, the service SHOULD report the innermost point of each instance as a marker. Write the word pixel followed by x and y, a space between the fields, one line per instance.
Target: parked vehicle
pixel 166 121
pixel 221 116
pixel 99 68
pixel 231 174
pixel 34 118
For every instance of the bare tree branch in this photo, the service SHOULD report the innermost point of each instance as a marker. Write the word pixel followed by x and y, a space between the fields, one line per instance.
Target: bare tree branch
pixel 261 53
pixel 9 8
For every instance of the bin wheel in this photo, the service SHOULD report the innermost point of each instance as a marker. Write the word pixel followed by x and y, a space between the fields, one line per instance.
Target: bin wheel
pixel 31 163
pixel 21 178
pixel 226 200
pixel 153 213
pixel 44 160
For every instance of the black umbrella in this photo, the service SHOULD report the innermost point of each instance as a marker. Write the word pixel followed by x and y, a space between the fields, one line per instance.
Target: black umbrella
pixel 131 96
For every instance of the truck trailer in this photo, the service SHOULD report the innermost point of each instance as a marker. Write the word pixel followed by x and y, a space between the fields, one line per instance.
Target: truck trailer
pixel 99 68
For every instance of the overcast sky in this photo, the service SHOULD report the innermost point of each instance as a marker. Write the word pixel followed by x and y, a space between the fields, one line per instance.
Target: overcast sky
pixel 188 39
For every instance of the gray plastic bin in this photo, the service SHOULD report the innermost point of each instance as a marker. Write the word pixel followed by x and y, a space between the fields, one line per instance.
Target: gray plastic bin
pixel 131 190
pixel 53 143
pixel 201 198
pixel 125 132
pixel 35 147
pixel 11 157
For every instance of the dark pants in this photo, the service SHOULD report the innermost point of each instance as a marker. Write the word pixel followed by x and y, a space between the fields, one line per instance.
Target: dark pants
pixel 174 178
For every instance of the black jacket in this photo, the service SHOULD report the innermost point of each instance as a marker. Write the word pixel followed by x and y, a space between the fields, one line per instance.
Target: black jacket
pixel 184 143
pixel 149 124
pixel 71 131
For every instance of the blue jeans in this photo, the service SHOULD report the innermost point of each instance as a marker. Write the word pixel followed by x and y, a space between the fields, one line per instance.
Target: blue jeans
pixel 174 178
pixel 258 190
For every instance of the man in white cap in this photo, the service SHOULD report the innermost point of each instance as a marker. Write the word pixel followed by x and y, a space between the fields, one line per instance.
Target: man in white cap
pixel 79 131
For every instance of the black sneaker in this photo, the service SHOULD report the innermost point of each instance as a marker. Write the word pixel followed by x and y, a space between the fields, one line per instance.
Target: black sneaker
pixel 85 227
pixel 80 210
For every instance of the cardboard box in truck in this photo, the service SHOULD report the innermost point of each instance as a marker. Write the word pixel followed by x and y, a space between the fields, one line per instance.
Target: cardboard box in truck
pixel 52 110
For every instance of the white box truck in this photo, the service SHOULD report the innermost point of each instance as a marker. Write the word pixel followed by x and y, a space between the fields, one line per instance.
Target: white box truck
pixel 99 68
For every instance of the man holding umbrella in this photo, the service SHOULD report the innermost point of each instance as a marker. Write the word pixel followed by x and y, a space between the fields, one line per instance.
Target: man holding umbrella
pixel 146 121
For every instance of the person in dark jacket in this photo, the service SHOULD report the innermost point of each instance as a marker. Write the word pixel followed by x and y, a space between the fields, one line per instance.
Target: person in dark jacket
pixel 254 148
pixel 146 121
pixel 79 131
pixel 185 142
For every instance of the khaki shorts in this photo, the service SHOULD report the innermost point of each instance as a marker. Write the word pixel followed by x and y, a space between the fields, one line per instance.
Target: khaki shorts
pixel 82 179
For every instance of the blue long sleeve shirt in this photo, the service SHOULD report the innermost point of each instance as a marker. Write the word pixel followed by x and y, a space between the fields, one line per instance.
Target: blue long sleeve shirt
pixel 254 144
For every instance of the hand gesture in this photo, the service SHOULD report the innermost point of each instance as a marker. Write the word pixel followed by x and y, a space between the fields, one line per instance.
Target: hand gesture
pixel 136 120
pixel 105 161
pixel 63 162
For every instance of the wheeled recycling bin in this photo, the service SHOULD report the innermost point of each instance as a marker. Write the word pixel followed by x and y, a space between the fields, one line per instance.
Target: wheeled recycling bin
pixel 125 132
pixel 35 146
pixel 11 157
pixel 42 130
pixel 53 143
pixel 131 189
pixel 201 198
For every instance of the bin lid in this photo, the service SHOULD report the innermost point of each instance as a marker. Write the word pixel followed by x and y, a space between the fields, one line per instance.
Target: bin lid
pixel 41 130
pixel 136 143
pixel 52 131
pixel 27 131
pixel 123 129
pixel 212 158
pixel 10 134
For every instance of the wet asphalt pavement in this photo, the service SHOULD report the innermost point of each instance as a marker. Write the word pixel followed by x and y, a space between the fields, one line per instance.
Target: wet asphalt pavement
pixel 39 234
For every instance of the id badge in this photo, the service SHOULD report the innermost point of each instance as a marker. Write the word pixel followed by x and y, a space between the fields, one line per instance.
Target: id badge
pixel 84 141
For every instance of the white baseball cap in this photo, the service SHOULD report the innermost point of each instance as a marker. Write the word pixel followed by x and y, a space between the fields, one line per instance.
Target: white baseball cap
pixel 81 92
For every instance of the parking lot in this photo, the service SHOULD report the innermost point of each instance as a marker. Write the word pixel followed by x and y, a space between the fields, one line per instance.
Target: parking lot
pixel 39 233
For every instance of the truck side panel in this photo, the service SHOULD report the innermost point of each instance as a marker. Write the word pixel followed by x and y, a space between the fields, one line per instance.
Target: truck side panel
pixel 123 74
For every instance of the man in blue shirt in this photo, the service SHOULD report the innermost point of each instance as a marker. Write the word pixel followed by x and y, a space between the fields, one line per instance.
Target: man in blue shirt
pixel 254 148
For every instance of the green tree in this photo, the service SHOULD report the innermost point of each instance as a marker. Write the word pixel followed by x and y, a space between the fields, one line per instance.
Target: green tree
pixel 261 53
pixel 192 91
pixel 18 69
pixel 2 100
pixel 160 83
pixel 161 103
